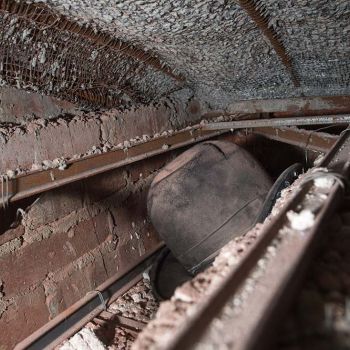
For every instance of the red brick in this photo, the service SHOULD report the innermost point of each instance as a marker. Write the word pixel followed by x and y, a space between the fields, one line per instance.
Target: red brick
pixel 39 258
pixel 56 142
pixel 76 285
pixel 86 135
pixel 56 204
pixel 133 211
pixel 103 226
pixel 32 263
pixel 11 234
pixel 137 204
pixel 126 256
pixel 150 237
pixel 19 150
pixel 123 219
pixel 154 120
pixel 22 318
pixel 148 166
pixel 104 185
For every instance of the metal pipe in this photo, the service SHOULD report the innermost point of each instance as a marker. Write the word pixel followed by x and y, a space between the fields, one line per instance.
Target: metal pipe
pixel 306 139
pixel 77 315
pixel 293 107
pixel 278 122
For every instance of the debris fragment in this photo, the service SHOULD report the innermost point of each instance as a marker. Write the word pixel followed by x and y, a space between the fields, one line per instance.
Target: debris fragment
pixel 324 182
pixel 301 221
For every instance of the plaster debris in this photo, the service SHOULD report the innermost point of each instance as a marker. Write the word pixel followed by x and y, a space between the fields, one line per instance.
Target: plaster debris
pixel 186 294
pixel 146 276
pixel 83 340
pixel 3 306
pixel 301 221
pixel 10 246
pixel 228 58
pixel 324 182
pixel 319 318
pixel 318 160
pixel 138 304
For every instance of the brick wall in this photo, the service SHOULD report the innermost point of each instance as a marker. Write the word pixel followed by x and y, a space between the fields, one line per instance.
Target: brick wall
pixel 18 105
pixel 66 136
pixel 73 238
pixel 70 241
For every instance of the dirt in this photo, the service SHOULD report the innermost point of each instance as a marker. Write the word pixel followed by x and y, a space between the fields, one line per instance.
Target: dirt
pixel 137 304
pixel 10 131
pixel 320 315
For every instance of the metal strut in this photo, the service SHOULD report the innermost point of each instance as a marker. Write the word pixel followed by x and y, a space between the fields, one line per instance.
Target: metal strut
pixel 278 122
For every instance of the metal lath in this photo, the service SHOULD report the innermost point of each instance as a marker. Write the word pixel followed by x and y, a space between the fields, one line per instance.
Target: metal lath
pixel 316 36
pixel 90 51
pixel 262 21
pixel 45 52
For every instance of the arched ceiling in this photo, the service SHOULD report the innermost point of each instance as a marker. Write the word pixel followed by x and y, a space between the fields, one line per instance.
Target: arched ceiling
pixel 119 53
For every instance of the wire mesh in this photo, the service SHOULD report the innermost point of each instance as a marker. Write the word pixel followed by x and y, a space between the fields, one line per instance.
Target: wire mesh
pixel 42 51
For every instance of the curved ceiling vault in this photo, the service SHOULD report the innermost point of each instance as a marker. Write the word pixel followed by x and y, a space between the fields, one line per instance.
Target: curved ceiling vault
pixel 119 53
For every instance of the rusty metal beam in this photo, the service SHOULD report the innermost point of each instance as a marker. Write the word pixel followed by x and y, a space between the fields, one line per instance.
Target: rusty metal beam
pixel 278 122
pixel 299 106
pixel 36 182
pixel 248 328
pixel 306 139
pixel 262 22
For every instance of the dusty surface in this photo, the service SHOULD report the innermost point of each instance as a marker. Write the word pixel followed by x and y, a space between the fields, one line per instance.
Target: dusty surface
pixel 41 143
pixel 18 105
pixel 213 45
pixel 227 51
pixel 80 235
pixel 320 315
pixel 246 307
pixel 137 304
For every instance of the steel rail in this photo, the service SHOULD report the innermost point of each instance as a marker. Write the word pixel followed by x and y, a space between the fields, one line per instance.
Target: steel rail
pixel 76 316
pixel 249 330
pixel 105 317
pixel 278 122
pixel 306 139
pixel 36 182
pixel 295 106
